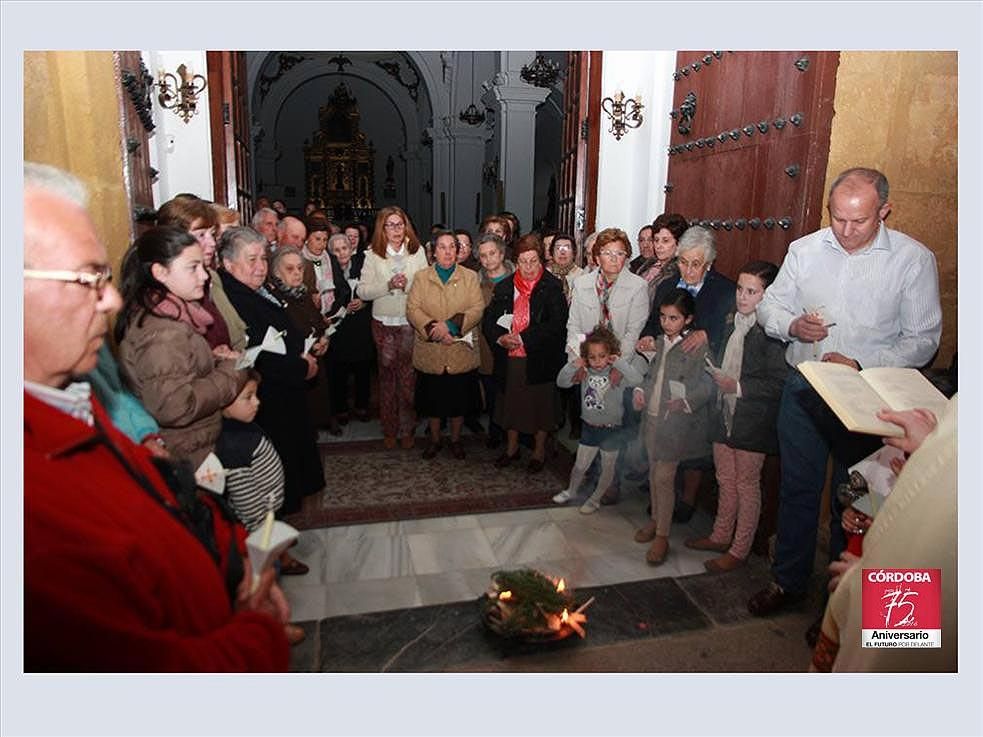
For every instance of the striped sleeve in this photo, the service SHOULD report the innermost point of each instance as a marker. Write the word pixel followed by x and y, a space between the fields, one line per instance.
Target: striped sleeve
pixel 258 487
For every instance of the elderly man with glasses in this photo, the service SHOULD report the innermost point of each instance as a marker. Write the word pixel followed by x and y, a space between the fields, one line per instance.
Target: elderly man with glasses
pixel 120 573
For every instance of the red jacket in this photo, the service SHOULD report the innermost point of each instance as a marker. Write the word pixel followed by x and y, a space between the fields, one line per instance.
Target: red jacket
pixel 112 580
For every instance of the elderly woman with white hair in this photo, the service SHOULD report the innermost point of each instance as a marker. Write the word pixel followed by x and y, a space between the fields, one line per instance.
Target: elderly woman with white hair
pixel 283 413
pixel 715 297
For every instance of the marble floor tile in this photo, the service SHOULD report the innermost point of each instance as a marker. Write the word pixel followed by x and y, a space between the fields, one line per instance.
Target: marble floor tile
pixel 452 550
pixel 351 533
pixel 514 517
pixel 365 558
pixel 306 602
pixel 360 597
pixel 599 535
pixel 528 543
pixel 617 567
pixel 439 524
pixel 442 588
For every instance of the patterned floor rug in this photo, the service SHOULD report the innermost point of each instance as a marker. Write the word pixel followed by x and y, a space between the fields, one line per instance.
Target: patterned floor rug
pixel 368 483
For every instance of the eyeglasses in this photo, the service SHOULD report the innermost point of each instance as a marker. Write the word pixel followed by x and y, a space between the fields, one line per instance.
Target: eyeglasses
pixel 613 254
pixel 562 249
pixel 394 226
pixel 97 281
pixel 695 265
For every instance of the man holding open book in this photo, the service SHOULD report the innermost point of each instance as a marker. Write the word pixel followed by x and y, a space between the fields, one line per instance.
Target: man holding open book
pixel 858 294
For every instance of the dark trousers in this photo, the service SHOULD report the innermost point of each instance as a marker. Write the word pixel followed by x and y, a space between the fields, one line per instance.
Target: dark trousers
pixel 808 433
pixel 340 371
pixel 490 391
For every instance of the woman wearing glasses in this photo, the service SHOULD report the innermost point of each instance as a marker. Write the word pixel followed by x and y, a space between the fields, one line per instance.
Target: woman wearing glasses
pixel 181 381
pixel 524 324
pixel 613 297
pixel 387 275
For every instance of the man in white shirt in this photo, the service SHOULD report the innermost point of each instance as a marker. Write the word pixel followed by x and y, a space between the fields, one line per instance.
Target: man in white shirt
pixel 855 293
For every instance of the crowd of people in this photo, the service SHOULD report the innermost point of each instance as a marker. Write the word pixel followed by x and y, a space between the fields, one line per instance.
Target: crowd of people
pixel 663 367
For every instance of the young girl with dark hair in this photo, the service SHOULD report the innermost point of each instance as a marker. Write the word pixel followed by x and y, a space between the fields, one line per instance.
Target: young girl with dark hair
pixel 167 361
pixel 673 401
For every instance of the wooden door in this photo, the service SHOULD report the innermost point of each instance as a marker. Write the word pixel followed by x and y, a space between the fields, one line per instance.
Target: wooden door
pixel 749 146
pixel 231 157
pixel 577 191
pixel 136 85
pixel 747 158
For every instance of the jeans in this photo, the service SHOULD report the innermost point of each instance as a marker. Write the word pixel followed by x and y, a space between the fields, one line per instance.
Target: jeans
pixel 808 433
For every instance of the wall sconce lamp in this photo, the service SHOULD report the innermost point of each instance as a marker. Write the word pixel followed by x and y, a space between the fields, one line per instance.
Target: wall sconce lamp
pixel 624 114
pixel 181 97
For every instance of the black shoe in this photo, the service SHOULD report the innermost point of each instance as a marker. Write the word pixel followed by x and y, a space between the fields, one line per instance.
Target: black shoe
pixel 457 450
pixel 683 512
pixel 474 426
pixel 493 443
pixel 772 599
pixel 362 415
pixel 535 466
pixel 342 418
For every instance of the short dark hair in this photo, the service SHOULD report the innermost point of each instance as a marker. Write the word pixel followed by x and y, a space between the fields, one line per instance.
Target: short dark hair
pixel 766 271
pixel 528 242
pixel 671 221
pixel 681 299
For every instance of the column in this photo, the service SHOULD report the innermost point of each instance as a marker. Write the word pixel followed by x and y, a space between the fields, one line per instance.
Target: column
pixel 517 103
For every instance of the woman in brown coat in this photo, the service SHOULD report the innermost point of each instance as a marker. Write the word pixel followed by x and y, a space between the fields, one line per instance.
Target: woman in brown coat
pixel 161 330
pixel 444 306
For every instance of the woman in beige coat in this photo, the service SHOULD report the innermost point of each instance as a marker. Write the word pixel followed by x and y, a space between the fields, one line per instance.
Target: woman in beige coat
pixel 444 307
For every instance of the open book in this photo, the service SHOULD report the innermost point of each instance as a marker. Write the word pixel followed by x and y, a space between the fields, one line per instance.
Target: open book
pixel 856 396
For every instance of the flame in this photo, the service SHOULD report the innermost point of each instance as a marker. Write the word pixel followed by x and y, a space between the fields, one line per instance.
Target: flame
pixel 565 616
pixel 560 586
pixel 505 595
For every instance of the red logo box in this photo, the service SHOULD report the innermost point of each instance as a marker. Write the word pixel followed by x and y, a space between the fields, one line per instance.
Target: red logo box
pixel 902 607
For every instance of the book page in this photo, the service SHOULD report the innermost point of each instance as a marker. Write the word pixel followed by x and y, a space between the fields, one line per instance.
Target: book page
pixel 906 388
pixel 850 396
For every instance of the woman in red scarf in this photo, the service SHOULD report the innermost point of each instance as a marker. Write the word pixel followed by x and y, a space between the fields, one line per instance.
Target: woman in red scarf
pixel 182 382
pixel 526 325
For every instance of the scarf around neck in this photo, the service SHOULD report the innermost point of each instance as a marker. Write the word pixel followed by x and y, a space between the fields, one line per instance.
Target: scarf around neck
pixel 324 278
pixel 603 288
pixel 733 358
pixel 297 292
pixel 520 308
pixel 191 314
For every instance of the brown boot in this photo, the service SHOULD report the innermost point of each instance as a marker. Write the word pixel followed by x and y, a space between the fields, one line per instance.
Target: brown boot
pixel 646 534
pixel 724 563
pixel 658 551
pixel 705 543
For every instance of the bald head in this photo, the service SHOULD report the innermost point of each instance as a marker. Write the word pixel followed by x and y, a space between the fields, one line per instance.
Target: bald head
pixel 291 232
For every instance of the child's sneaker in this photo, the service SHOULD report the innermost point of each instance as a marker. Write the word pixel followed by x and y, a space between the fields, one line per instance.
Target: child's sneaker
pixel 589 507
pixel 563 497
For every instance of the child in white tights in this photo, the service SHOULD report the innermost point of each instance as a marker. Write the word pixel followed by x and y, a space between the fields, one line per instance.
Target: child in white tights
pixel 603 376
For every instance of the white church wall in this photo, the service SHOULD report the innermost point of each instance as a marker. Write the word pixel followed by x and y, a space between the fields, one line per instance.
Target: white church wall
pixel 632 171
pixel 181 152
